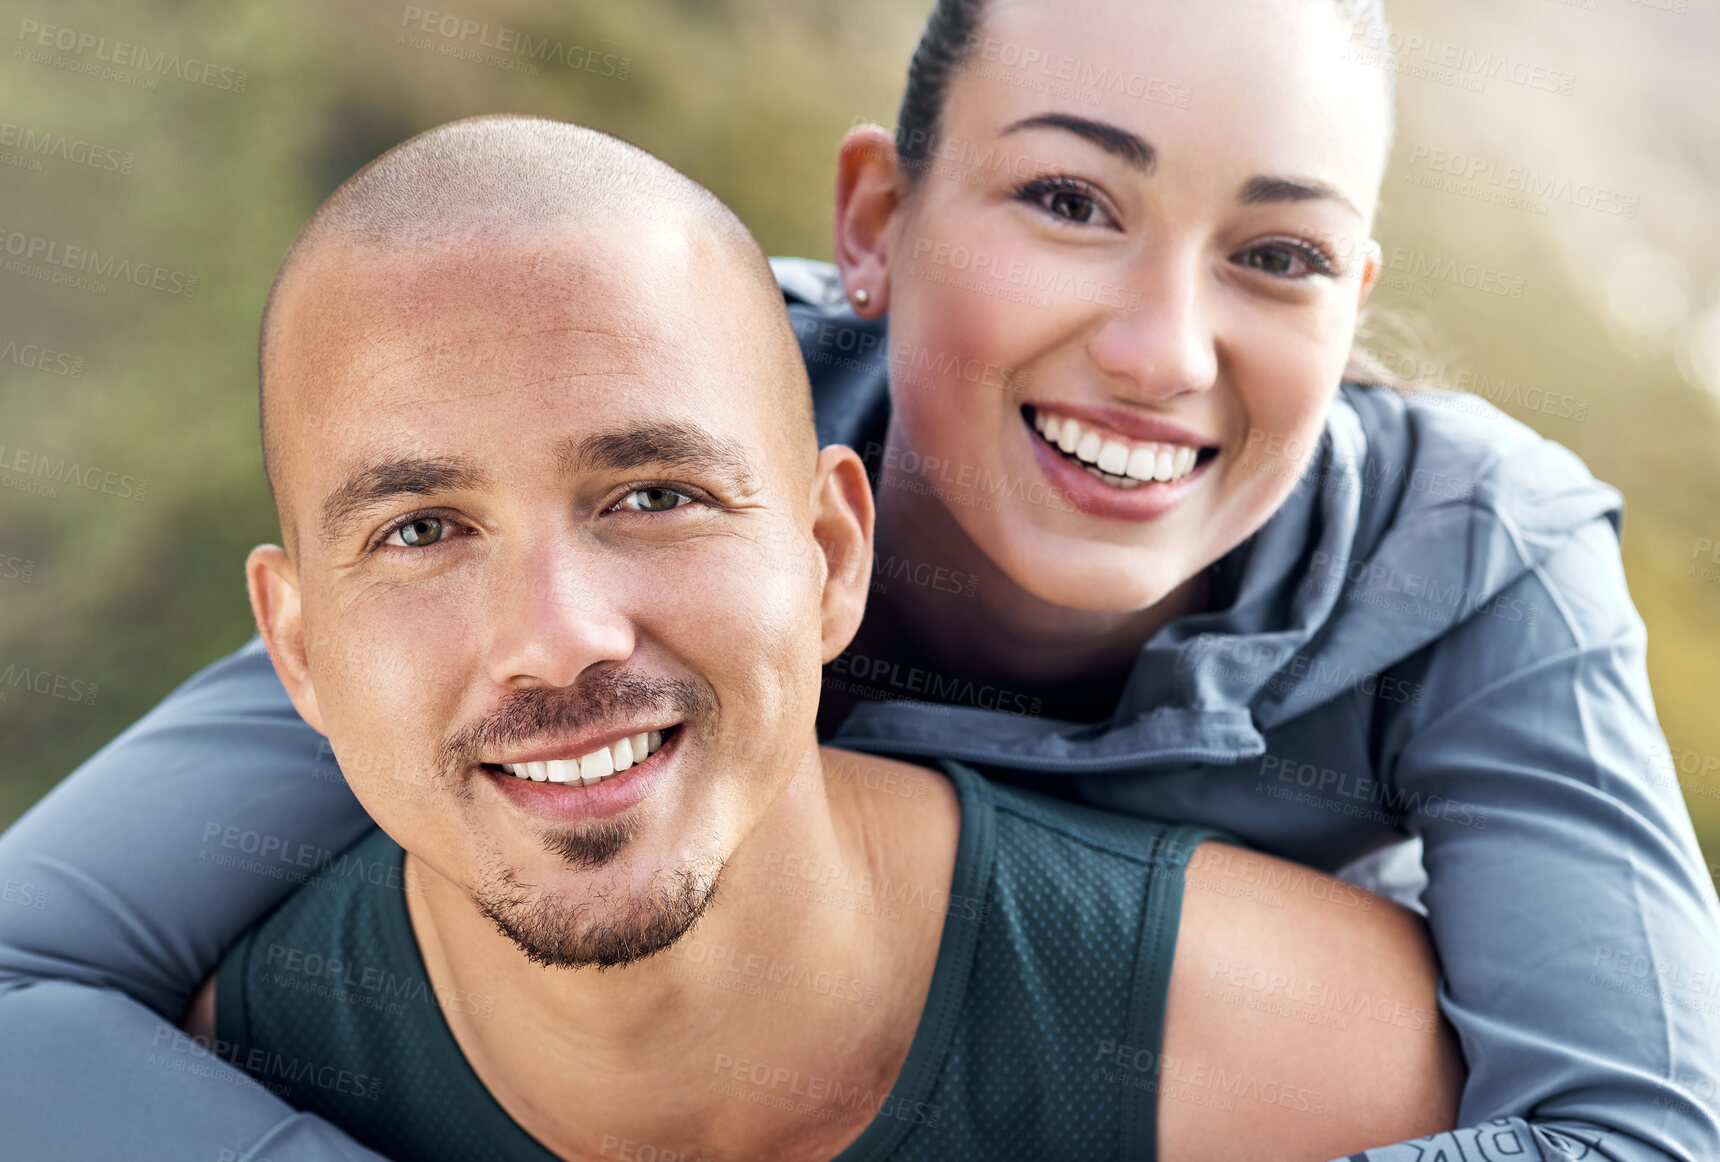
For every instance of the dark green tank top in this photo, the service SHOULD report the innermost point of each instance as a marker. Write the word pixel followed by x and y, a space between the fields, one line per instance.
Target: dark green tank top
pixel 1038 1040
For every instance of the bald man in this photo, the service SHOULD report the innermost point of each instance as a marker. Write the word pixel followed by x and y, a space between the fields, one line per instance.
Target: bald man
pixel 562 563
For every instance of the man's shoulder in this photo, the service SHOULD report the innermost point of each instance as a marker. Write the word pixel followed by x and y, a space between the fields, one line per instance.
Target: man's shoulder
pixel 1030 819
pixel 1057 868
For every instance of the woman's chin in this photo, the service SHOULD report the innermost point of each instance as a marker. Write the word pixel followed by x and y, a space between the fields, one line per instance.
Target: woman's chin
pixel 1090 578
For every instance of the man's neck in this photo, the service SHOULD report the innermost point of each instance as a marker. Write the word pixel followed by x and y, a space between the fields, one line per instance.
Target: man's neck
pixel 793 972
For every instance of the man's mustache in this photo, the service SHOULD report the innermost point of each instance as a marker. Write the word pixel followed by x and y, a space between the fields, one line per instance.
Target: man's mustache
pixel 613 698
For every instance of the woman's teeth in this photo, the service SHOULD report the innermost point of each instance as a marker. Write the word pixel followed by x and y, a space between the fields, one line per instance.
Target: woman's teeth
pixel 1120 463
pixel 594 767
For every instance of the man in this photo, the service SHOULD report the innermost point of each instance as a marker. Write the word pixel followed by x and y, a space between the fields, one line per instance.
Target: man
pixel 562 563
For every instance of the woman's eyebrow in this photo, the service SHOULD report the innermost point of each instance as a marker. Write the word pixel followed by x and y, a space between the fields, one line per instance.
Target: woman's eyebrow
pixel 1261 191
pixel 1131 148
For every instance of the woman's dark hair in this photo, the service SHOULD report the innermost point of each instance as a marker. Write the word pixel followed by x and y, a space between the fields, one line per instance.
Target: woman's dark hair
pixel 953 34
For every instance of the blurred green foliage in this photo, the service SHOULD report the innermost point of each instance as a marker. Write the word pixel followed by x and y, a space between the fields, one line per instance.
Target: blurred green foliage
pixel 131 595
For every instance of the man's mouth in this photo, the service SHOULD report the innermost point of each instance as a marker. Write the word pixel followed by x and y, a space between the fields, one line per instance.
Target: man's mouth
pixel 594 766
pixel 1112 457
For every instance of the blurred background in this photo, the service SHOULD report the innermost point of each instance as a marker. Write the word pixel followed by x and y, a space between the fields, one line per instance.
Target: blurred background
pixel 157 160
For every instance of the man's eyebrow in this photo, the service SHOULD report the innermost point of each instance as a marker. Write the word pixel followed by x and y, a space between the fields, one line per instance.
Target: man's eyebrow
pixel 387 479
pixel 1131 148
pixel 674 446
pixel 1262 191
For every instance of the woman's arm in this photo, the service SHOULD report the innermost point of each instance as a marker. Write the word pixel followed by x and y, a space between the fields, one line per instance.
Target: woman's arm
pixel 1577 928
pixel 139 870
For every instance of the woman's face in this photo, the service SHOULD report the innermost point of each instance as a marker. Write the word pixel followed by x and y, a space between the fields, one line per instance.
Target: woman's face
pixel 1150 221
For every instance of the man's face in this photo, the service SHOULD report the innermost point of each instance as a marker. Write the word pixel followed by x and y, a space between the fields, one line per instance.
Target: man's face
pixel 542 507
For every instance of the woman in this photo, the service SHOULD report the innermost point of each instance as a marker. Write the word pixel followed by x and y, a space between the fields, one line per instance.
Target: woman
pixel 1135 545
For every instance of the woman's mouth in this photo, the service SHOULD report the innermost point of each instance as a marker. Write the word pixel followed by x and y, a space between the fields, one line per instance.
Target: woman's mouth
pixel 1123 463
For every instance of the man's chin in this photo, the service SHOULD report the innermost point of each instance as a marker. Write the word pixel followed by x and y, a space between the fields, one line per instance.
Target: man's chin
pixel 602 926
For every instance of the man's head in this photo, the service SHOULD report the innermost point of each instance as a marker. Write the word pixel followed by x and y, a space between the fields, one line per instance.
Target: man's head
pixel 540 441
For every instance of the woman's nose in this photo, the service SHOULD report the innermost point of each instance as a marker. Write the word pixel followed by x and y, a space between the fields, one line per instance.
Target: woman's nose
pixel 1161 342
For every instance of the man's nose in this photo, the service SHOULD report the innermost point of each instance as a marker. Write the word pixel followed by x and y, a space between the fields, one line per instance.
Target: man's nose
pixel 554 617
pixel 1162 341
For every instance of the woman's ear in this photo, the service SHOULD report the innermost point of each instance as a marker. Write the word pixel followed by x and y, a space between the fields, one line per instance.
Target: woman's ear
pixel 869 190
pixel 842 525
pixel 273 583
pixel 1372 261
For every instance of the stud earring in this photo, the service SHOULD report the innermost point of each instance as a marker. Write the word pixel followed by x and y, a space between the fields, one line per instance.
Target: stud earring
pixel 862 297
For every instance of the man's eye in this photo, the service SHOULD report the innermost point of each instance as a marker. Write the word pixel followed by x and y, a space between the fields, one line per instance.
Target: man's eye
pixel 655 499
pixel 418 534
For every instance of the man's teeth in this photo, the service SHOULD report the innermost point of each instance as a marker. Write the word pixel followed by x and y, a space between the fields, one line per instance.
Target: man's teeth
pixel 594 767
pixel 1131 463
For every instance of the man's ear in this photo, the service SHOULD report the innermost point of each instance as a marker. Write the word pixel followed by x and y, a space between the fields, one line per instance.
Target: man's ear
pixel 842 525
pixel 274 588
pixel 869 190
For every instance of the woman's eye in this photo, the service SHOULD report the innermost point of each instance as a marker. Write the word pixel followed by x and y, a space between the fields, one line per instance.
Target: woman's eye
pixel 1285 261
pixel 655 499
pixel 1066 202
pixel 420 533
pixel 1073 206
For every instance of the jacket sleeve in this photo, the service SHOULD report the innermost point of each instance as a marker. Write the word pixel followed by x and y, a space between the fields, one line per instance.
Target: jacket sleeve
pixel 124 885
pixel 1577 928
